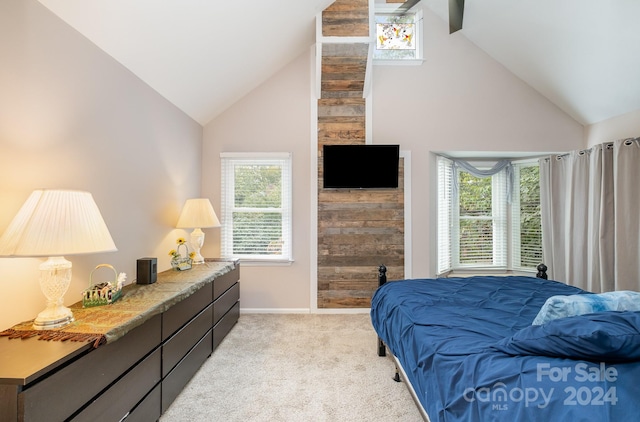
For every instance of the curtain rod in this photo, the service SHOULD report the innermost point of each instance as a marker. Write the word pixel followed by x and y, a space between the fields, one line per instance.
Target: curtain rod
pixel 607 145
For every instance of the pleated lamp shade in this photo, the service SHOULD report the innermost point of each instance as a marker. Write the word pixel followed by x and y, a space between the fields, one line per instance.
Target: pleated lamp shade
pixel 57 223
pixel 197 213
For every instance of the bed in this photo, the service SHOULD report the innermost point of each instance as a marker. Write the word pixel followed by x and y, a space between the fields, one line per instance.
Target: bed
pixel 468 351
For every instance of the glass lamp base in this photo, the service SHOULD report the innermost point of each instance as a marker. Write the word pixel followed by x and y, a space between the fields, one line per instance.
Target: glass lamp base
pixel 47 323
pixel 55 277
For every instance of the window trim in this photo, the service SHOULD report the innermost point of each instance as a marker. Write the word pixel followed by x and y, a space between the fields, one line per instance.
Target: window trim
pixel 419 39
pixel 227 194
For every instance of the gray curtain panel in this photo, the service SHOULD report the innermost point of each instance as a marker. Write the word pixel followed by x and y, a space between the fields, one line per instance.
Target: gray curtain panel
pixel 590 203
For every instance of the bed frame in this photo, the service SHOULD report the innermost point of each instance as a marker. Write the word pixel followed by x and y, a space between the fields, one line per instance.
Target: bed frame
pixel 399 372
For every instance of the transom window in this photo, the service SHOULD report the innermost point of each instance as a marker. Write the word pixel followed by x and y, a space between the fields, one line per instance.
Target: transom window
pixel 398 37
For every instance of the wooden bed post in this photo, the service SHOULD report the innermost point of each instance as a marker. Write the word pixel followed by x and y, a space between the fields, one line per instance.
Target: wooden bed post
pixel 382 279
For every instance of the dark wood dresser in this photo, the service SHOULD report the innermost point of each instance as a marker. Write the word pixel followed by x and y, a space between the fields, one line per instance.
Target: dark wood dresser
pixel 134 378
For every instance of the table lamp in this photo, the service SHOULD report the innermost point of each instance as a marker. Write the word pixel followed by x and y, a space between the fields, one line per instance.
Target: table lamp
pixel 196 214
pixel 53 223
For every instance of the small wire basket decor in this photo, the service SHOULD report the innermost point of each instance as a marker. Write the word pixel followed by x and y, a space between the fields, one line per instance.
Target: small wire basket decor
pixel 179 261
pixel 103 293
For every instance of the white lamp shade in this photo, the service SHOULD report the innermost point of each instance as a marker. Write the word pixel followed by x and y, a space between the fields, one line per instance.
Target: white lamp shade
pixel 197 213
pixel 56 223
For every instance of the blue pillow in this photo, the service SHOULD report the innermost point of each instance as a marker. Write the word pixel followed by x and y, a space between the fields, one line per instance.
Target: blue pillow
pixel 602 336
pixel 563 306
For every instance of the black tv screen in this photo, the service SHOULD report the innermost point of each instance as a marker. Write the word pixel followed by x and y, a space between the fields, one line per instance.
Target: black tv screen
pixel 360 166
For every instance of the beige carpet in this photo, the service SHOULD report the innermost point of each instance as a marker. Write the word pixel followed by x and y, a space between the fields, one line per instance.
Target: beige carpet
pixel 274 367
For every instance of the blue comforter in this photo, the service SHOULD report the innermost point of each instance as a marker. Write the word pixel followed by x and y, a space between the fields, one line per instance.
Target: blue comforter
pixel 470 352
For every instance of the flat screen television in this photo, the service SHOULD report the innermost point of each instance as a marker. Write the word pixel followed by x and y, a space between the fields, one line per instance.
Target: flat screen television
pixel 360 166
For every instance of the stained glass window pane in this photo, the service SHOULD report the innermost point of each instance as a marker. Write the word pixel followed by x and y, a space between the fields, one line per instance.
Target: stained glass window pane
pixel 396 36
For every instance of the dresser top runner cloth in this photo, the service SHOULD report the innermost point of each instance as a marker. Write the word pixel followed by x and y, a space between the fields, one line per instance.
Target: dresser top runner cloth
pixel 107 323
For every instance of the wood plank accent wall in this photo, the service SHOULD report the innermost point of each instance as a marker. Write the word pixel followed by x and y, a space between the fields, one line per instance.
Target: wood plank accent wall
pixel 357 229
pixel 346 18
pixel 343 70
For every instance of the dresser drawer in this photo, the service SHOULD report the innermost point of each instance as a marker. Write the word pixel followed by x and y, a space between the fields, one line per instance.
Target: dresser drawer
pixel 174 349
pixel 222 283
pixel 180 313
pixel 173 384
pixel 222 305
pixel 85 378
pixel 149 409
pixel 121 397
pixel 225 325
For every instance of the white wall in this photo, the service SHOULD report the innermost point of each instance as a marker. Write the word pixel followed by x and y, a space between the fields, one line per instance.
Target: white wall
pixel 72 117
pixel 275 117
pixel 619 127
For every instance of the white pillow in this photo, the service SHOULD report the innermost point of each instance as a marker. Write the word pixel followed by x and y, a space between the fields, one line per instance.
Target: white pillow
pixel 563 306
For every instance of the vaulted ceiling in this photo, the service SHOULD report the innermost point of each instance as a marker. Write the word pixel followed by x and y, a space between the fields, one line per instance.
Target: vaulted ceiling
pixel 583 55
pixel 204 55
pixel 201 55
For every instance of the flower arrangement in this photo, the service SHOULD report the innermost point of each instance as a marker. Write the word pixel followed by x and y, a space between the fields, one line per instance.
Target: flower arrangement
pixel 122 277
pixel 179 261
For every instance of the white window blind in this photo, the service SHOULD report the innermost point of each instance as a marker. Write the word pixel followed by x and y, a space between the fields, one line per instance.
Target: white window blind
pixel 444 214
pixel 500 223
pixel 256 206
pixel 526 217
pixel 480 229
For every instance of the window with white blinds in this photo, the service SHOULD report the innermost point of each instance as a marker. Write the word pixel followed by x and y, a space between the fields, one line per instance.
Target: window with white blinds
pixel 256 206
pixel 526 217
pixel 444 214
pixel 480 221
pixel 478 227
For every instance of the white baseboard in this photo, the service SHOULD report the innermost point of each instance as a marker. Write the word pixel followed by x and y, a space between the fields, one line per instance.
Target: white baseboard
pixel 343 311
pixel 275 310
pixel 304 311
